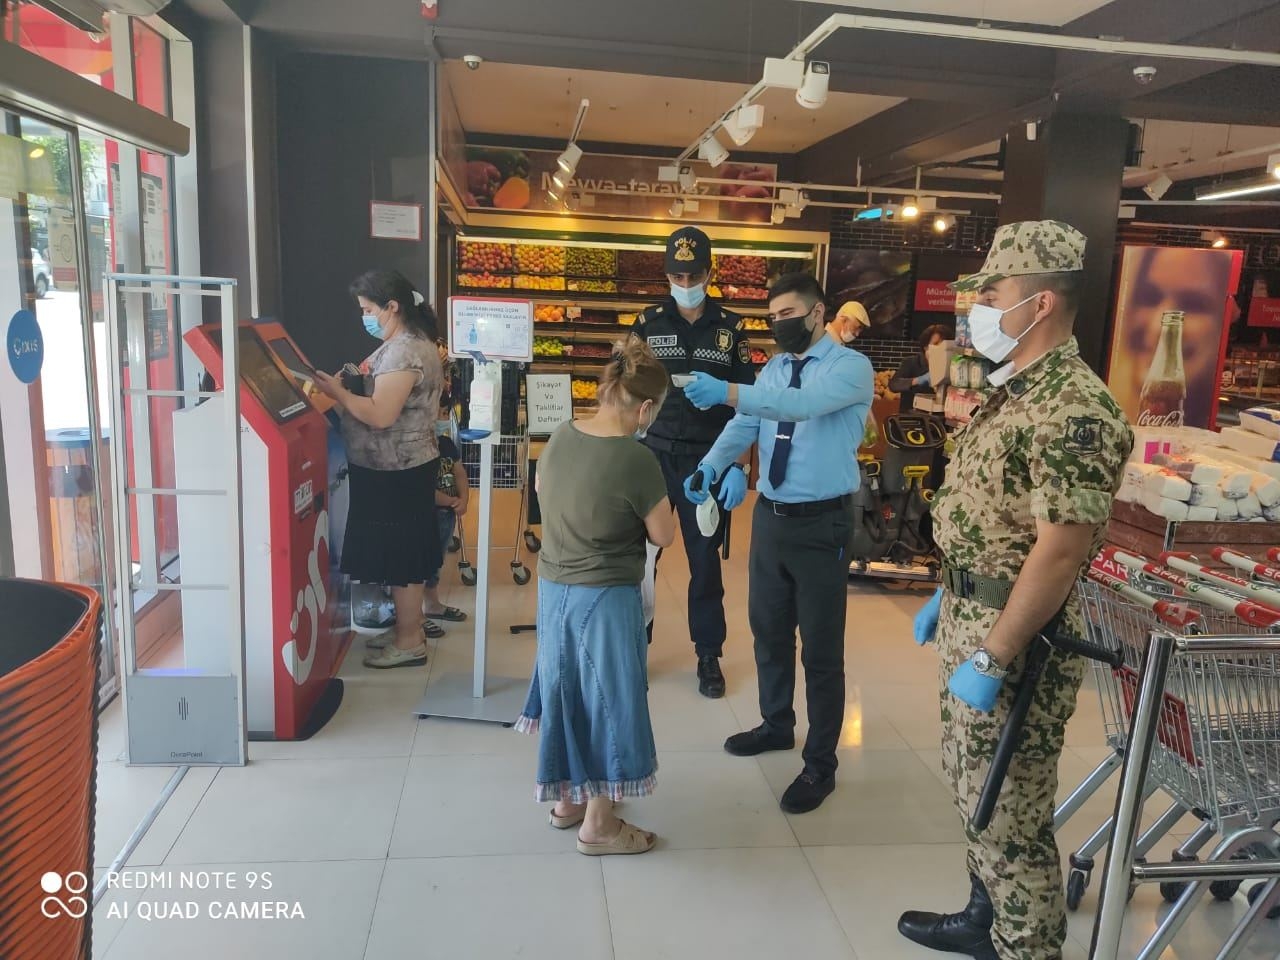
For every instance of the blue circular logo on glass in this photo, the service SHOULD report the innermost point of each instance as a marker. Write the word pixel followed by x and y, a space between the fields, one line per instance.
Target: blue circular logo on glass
pixel 25 346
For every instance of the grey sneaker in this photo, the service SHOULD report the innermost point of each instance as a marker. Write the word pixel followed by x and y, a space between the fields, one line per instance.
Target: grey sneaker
pixel 395 657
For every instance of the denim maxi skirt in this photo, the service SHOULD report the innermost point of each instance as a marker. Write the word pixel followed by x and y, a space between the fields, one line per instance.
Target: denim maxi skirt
pixel 588 699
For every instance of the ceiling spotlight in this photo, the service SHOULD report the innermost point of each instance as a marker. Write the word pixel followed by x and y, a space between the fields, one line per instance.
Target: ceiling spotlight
pixel 553 194
pixel 741 125
pixel 668 173
pixel 944 222
pixel 1214 239
pixel 676 209
pixel 712 151
pixel 568 161
pixel 1273 164
pixel 1219 243
pixel 1158 187
pixel 910 210
pixel 572 201
pixel 813 92
pixel 691 206
pixel 779 214
pixel 38 152
pixel 561 179
pixel 688 179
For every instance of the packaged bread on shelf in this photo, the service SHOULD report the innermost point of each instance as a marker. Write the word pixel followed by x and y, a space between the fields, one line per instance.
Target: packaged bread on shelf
pixel 1164 483
pixel 1229 510
pixel 1204 495
pixel 1175 511
pixel 1202 514
pixel 1250 508
pixel 1190 468
pixel 1253 444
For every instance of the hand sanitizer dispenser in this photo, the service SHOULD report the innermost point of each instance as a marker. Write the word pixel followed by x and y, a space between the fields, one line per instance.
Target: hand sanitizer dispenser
pixel 486 396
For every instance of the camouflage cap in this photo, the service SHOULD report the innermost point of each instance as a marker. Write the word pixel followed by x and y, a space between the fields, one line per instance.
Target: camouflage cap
pixel 1029 247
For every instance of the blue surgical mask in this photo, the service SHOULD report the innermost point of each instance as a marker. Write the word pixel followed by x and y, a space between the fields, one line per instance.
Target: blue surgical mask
pixel 371 325
pixel 689 298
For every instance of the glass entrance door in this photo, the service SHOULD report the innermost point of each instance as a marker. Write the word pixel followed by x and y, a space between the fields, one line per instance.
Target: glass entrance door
pixel 53 444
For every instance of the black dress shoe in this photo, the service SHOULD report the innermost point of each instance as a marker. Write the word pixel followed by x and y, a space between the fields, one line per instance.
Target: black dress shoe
pixel 807 792
pixel 752 743
pixel 710 679
pixel 966 932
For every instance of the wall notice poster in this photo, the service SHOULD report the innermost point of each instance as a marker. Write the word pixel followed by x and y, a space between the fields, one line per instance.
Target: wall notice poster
pixel 498 329
pixel 935 296
pixel 1154 281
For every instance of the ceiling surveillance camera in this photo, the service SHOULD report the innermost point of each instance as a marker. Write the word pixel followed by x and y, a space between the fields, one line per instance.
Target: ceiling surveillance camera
pixel 472 61
pixel 1144 74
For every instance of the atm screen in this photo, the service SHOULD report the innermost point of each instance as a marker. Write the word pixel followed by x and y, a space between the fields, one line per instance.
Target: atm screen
pixel 277 392
pixel 293 362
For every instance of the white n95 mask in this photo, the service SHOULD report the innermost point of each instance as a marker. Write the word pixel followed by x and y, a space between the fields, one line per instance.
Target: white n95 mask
pixel 708 517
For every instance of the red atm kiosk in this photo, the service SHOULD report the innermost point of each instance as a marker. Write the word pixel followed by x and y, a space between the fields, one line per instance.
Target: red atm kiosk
pixel 294 642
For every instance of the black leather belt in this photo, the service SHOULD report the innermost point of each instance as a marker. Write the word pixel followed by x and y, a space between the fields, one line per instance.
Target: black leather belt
pixel 988 591
pixel 677 447
pixel 810 508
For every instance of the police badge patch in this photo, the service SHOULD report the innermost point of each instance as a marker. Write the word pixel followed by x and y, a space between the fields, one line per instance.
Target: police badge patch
pixel 1083 436
pixel 724 340
pixel 744 351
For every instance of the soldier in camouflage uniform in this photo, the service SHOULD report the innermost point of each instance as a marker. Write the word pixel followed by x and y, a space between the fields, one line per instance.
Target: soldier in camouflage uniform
pixel 1023 507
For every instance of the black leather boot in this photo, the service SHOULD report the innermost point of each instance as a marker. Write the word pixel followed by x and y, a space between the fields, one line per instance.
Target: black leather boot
pixel 966 932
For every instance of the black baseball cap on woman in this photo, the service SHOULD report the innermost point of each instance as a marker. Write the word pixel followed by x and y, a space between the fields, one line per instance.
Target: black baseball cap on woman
pixel 688 251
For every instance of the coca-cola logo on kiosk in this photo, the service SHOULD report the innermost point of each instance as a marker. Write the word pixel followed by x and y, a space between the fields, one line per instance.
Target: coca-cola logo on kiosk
pixel 1163 400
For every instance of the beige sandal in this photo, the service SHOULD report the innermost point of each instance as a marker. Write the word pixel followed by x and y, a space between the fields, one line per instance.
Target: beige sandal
pixel 564 823
pixel 629 840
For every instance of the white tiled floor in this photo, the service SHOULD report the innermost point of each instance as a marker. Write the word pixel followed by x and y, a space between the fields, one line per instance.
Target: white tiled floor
pixel 404 838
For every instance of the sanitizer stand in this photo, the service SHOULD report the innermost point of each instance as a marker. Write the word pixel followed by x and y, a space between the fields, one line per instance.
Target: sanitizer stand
pixel 477 696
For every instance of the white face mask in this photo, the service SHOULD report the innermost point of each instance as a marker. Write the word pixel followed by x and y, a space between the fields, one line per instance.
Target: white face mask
pixel 988 338
pixel 690 298
pixel 847 336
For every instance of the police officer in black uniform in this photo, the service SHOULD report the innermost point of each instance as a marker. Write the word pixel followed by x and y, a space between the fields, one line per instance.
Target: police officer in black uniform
pixel 689 331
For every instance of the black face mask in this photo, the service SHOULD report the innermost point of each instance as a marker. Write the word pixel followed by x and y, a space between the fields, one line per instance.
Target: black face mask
pixel 793 334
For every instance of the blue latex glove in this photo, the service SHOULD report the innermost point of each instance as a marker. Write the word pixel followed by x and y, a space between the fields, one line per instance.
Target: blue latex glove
pixel 926 622
pixel 975 689
pixel 706 391
pixel 733 489
pixel 924 380
pixel 708 478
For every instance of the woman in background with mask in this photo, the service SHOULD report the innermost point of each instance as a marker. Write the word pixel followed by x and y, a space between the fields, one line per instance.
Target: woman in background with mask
pixel 912 375
pixel 389 426
pixel 603 498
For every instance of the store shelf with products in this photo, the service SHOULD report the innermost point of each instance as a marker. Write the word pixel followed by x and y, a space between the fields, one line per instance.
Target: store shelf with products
pixel 617 270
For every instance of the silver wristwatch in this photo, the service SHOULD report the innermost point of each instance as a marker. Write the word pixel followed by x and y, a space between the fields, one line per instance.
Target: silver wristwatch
pixel 986 665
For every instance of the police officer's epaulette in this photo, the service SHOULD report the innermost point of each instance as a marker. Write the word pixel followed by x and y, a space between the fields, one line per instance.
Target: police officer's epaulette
pixel 655 310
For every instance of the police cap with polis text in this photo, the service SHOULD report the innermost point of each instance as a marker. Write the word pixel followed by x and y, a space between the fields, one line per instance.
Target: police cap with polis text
pixel 1026 248
pixel 688 251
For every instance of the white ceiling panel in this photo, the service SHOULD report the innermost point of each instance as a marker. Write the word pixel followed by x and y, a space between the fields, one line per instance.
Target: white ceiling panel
pixel 1055 13
pixel 502 98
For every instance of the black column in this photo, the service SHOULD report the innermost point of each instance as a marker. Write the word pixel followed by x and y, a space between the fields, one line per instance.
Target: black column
pixel 1072 172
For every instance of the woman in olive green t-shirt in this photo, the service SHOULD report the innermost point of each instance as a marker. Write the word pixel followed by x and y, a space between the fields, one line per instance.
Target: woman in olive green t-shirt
pixel 602 496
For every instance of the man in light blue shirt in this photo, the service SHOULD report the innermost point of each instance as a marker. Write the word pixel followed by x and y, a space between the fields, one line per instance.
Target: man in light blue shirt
pixel 807 411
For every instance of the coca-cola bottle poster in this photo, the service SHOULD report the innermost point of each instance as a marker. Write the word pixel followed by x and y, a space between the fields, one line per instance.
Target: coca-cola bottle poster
pixel 1170 333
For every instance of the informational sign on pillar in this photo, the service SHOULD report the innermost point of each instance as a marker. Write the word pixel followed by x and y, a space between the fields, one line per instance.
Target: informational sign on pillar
pixel 497 329
pixel 550 397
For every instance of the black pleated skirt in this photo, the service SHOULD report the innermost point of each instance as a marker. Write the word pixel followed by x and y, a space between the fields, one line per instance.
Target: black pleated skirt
pixel 391 526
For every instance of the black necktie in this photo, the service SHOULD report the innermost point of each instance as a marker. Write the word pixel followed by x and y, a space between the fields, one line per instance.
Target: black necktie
pixel 782 438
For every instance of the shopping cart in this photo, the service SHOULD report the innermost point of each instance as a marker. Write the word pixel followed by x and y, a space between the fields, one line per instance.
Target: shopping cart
pixel 510 472
pixel 1195 712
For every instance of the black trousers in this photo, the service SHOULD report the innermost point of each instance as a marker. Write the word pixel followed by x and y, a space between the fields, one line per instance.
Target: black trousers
pixel 799 569
pixel 706 584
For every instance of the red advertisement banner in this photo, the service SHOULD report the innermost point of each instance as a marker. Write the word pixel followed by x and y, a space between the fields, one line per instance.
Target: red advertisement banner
pixel 1264 312
pixel 935 296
